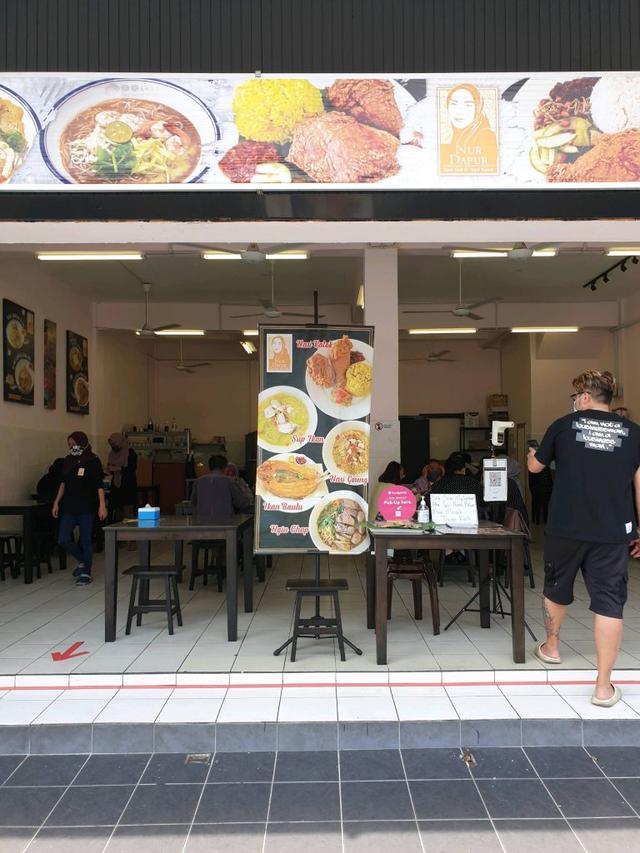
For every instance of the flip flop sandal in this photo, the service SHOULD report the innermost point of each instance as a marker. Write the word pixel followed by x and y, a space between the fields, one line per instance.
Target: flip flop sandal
pixel 610 702
pixel 541 655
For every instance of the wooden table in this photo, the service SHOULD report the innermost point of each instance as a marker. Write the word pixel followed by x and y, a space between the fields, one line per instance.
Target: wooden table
pixel 488 537
pixel 180 529
pixel 28 510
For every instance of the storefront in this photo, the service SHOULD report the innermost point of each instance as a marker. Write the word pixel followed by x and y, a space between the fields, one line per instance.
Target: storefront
pixel 460 209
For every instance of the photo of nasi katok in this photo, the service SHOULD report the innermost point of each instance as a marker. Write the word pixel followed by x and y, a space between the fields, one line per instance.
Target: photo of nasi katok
pixel 588 130
pixel 292 131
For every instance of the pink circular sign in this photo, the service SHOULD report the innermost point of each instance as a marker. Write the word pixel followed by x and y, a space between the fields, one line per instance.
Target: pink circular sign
pixel 397 503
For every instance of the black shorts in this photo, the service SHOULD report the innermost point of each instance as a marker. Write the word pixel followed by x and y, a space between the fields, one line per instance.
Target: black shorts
pixel 604 568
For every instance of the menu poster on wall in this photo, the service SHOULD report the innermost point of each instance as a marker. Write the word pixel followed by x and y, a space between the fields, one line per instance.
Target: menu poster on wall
pixel 128 132
pixel 50 359
pixel 18 353
pixel 313 439
pixel 77 374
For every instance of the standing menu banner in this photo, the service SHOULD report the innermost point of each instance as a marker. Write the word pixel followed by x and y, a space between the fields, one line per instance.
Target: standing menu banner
pixel 313 439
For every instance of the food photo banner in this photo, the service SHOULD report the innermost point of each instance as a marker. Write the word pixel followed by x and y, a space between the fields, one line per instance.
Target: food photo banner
pixel 418 132
pixel 313 439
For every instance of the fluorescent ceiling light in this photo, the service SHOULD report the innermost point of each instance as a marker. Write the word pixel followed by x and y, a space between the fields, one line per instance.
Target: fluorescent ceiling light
pixel 453 331
pixel 249 347
pixel 479 254
pixel 293 255
pixel 544 253
pixel 360 299
pixel 221 256
pixel 250 333
pixel 180 332
pixel 622 253
pixel 532 330
pixel 90 256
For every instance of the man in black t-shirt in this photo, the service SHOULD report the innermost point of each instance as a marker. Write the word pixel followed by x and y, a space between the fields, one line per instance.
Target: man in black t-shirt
pixel 591 522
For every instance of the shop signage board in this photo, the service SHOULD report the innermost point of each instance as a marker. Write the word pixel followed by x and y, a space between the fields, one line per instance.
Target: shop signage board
pixel 299 132
pixel 313 439
pixel 18 353
pixel 77 374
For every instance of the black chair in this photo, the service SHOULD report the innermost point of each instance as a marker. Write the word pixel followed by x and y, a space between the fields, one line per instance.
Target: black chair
pixel 468 565
pixel 141 577
pixel 11 552
pixel 213 563
pixel 417 572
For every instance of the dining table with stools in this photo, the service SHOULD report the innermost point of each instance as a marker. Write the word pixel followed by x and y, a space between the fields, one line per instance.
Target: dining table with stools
pixel 29 511
pixel 180 529
pixel 484 539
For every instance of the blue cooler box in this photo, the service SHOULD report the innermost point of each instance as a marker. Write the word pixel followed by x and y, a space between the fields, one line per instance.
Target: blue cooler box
pixel 148 516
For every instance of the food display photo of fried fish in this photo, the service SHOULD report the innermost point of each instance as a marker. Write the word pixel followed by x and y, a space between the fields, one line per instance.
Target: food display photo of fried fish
pixel 291 482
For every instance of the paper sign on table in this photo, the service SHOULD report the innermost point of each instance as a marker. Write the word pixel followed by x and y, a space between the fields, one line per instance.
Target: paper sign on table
pixel 494 478
pixel 454 510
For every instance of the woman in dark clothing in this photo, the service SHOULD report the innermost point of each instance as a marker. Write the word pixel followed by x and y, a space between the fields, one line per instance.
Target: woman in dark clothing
pixel 48 485
pixel 121 466
pixel 80 496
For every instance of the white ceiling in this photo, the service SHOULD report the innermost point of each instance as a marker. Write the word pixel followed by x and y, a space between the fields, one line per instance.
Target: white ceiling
pixel 425 275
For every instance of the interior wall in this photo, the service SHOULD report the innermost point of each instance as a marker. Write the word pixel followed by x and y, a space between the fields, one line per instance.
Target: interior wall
pixel 516 377
pixel 555 361
pixel 461 385
pixel 628 345
pixel 32 436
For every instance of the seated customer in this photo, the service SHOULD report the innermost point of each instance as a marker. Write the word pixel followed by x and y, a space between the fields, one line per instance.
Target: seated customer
pixel 234 474
pixel 430 473
pixel 216 496
pixel 456 481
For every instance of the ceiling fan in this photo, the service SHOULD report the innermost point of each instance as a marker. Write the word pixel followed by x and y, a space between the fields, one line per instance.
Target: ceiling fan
pixel 253 254
pixel 147 331
pixel 190 366
pixel 434 357
pixel 518 252
pixel 271 310
pixel 462 310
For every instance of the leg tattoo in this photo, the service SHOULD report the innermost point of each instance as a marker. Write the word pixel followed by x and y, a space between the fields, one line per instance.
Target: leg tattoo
pixel 550 627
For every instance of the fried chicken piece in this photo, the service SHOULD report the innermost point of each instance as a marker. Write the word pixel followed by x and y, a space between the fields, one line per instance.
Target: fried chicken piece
pixel 239 163
pixel 614 158
pixel 335 148
pixel 341 359
pixel 321 370
pixel 370 101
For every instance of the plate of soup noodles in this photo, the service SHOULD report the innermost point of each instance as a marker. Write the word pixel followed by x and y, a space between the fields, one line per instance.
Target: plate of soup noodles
pixel 134 132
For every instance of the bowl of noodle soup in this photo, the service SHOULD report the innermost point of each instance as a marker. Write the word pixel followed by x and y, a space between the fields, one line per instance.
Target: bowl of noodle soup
pixel 133 132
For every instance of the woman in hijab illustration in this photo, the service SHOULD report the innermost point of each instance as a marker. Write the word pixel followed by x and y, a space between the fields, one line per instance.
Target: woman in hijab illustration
pixel 279 356
pixel 473 147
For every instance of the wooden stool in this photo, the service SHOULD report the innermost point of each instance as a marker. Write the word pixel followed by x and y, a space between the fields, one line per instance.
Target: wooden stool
pixel 141 577
pixel 317 627
pixel 418 573
pixel 214 563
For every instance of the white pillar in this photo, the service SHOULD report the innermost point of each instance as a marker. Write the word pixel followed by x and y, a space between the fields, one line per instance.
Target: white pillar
pixel 381 311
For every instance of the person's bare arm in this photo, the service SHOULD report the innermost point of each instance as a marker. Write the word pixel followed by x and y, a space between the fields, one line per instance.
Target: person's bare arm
pixel 635 545
pixel 533 465
pixel 102 507
pixel 55 510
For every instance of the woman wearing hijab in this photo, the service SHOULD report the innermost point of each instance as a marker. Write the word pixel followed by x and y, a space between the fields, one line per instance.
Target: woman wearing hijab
pixel 121 467
pixel 473 147
pixel 80 496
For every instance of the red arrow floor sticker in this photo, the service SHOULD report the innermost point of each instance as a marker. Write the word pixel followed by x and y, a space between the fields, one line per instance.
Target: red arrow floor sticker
pixel 71 652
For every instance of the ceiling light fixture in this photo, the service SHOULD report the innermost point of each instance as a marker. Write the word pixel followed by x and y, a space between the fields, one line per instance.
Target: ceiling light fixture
pixel 544 253
pixel 624 252
pixel 452 331
pixel 249 347
pixel 250 333
pixel 360 298
pixel 178 333
pixel 534 330
pixel 461 253
pixel 292 255
pixel 90 256
pixel 623 266
pixel 221 256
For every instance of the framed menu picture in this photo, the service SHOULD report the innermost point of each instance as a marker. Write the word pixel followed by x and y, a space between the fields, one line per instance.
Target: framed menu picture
pixel 50 347
pixel 77 374
pixel 18 346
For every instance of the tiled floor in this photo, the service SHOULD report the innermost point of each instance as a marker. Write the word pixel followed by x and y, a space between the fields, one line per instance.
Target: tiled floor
pixel 52 614
pixel 413 801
